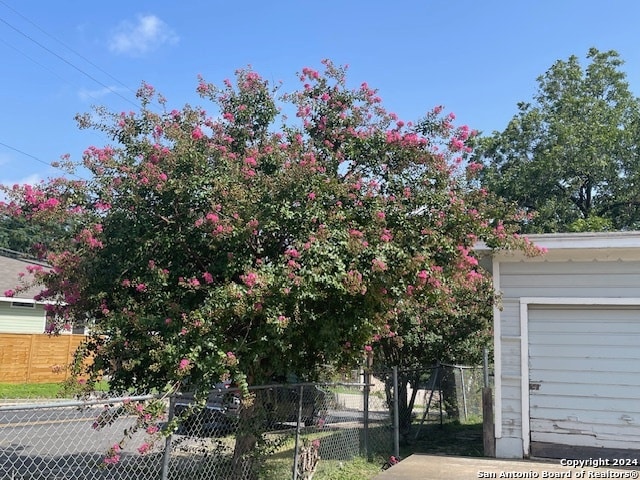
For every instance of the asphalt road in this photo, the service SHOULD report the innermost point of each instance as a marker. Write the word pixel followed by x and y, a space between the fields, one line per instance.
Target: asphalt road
pixel 44 429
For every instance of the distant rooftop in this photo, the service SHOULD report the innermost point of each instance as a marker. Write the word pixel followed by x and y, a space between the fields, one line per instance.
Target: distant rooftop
pixel 12 264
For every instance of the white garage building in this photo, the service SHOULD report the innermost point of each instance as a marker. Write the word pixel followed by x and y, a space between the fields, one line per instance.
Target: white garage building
pixel 567 348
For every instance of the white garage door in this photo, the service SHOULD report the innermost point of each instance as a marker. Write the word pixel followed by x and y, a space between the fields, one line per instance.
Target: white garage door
pixel 584 378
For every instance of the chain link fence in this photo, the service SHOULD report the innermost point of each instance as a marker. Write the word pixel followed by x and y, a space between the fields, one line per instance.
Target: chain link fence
pixel 280 431
pixel 461 387
pixel 415 397
pixel 295 431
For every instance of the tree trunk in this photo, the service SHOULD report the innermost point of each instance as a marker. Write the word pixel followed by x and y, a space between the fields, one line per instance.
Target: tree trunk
pixel 245 461
pixel 405 402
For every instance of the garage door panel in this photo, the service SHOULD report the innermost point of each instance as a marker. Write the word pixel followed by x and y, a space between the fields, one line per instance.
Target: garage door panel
pixel 588 352
pixel 542 414
pixel 597 326
pixel 584 373
pixel 562 339
pixel 566 404
pixel 602 441
pixel 598 320
pixel 585 391
pixel 569 427
pixel 603 365
pixel 586 377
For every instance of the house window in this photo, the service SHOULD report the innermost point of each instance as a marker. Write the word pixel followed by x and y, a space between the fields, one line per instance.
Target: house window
pixel 23 305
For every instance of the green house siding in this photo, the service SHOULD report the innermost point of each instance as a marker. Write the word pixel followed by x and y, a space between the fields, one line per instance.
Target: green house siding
pixel 16 319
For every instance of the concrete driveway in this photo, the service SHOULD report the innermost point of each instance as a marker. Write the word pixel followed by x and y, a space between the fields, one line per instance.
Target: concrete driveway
pixel 427 467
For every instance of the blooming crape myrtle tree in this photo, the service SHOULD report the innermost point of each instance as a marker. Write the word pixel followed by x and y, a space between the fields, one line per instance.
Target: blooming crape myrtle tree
pixel 446 312
pixel 234 245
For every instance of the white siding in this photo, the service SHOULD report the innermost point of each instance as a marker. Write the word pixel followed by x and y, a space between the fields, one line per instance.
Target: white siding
pixel 21 319
pixel 570 279
pixel 510 315
pixel 582 277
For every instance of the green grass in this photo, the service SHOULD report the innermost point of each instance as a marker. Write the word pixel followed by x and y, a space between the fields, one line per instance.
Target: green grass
pixel 29 390
pixel 356 469
pixel 37 390
pixel 278 465
pixel 452 438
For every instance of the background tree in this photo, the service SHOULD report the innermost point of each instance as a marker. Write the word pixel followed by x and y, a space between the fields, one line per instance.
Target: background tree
pixel 571 156
pixel 24 236
pixel 231 246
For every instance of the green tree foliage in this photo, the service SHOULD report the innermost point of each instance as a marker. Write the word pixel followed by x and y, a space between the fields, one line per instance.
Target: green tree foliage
pixel 232 245
pixel 209 247
pixel 20 235
pixel 571 156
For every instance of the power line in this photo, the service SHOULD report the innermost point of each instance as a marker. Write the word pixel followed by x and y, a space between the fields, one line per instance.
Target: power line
pixel 50 51
pixel 44 67
pixel 64 80
pixel 69 63
pixel 24 153
pixel 97 67
pixel 39 160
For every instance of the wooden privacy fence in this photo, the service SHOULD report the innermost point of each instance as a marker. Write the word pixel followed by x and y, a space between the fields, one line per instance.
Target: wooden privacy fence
pixel 36 358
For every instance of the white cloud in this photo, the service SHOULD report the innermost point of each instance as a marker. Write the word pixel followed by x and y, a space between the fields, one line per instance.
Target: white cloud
pixel 86 94
pixel 136 39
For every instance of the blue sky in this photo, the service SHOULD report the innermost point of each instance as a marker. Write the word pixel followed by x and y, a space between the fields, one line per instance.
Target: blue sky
pixel 478 58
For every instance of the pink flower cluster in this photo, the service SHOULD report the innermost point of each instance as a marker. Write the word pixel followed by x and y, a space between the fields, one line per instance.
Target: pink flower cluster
pixel 37 199
pixel 292 253
pixel 386 235
pixel 197 134
pixel 310 73
pixel 250 279
pixel 144 448
pixel 87 237
pixel 405 139
pixel 378 265
pixel 113 455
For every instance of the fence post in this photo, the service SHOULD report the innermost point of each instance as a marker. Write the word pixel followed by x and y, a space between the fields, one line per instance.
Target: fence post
pixel 488 427
pixel 396 415
pixel 365 400
pixel 432 381
pixel 69 357
pixel 166 454
pixel 442 373
pixel 30 358
pixel 485 366
pixel 297 444
pixel 464 394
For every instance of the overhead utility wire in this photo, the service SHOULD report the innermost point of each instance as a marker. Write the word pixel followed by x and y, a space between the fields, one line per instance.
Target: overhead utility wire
pixel 69 63
pixel 97 67
pixel 56 75
pixel 22 152
pixel 44 67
